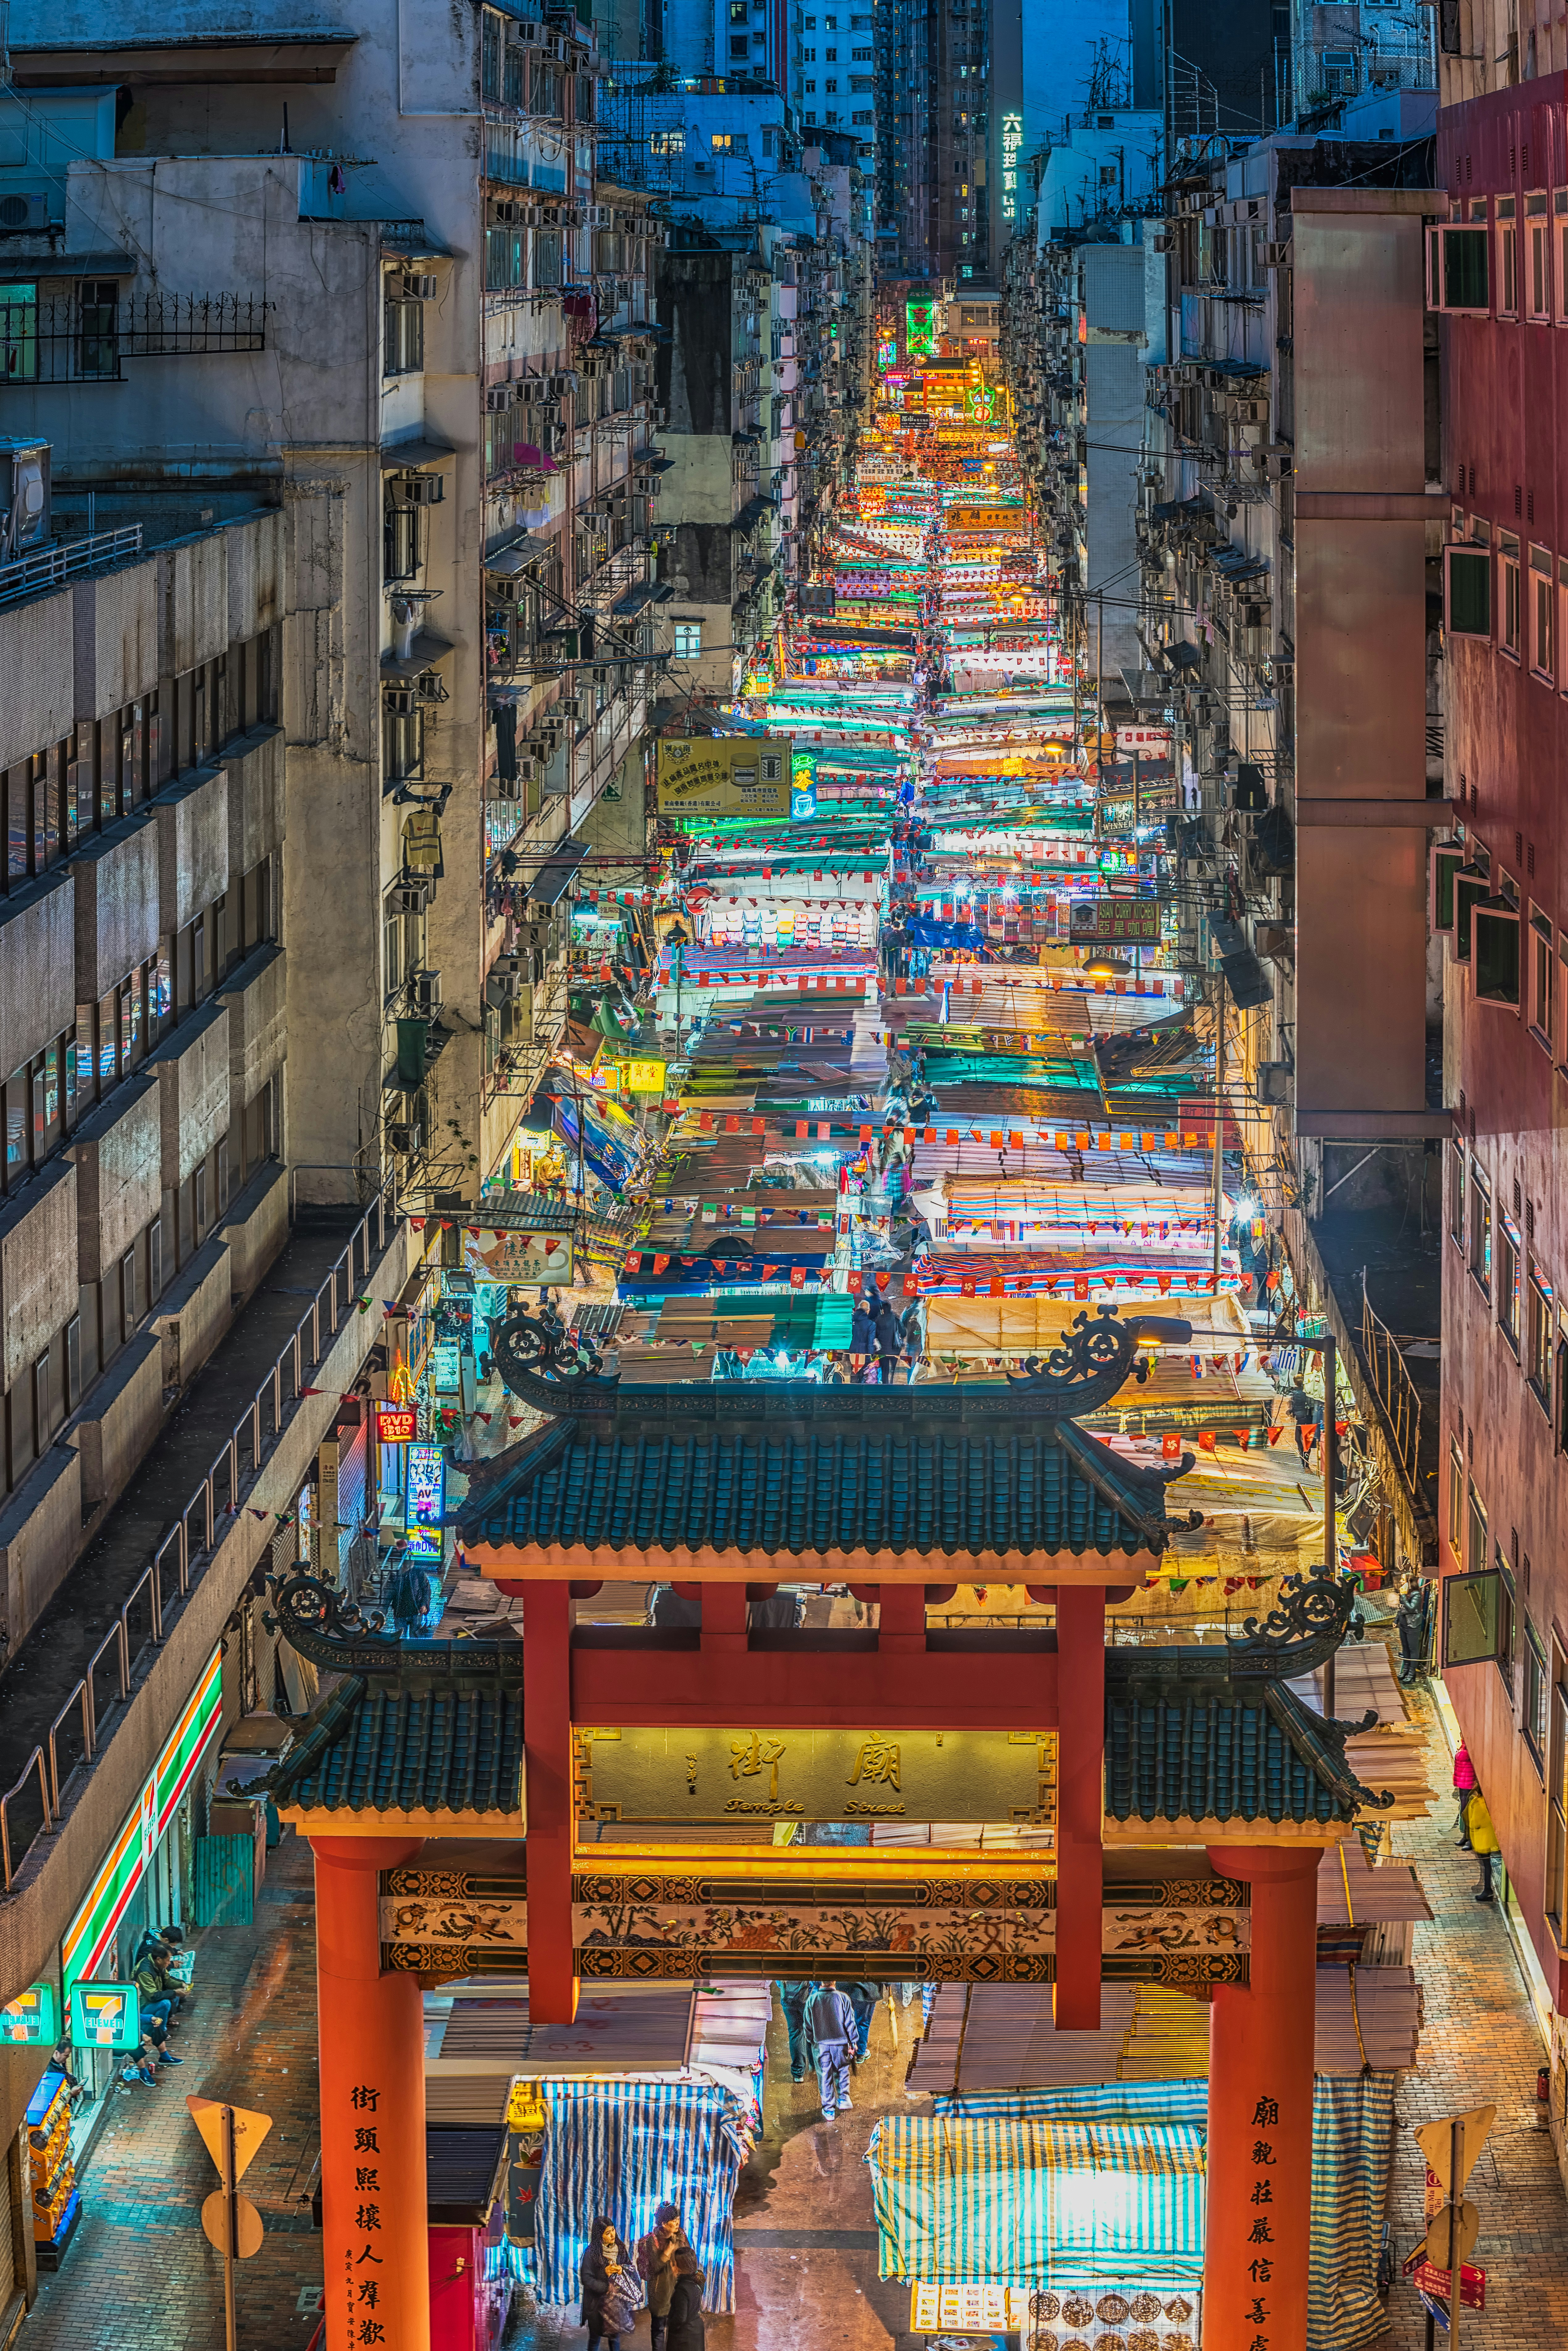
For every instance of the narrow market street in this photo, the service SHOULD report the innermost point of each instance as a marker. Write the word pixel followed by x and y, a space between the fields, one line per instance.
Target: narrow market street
pixel 931 1090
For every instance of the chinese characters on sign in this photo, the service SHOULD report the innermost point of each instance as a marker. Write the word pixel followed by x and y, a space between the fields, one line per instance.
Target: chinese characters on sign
pixel 1260 2269
pixel 837 1773
pixel 426 1498
pixel 747 1758
pixel 365 2290
pixel 877 1764
pixel 1012 140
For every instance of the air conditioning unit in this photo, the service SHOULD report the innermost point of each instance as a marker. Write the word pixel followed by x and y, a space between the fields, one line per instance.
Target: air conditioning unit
pixel 572 706
pixel 1274 1083
pixel 504 212
pixel 425 986
pixel 420 285
pixel 508 788
pixel 503 986
pixel 418 489
pixel 412 896
pixel 400 700
pixel 504 591
pixel 502 396
pixel 24 212
pixel 405 1138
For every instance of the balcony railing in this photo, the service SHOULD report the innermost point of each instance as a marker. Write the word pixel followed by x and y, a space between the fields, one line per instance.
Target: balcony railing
pixel 36 1804
pixel 66 559
pixel 85 341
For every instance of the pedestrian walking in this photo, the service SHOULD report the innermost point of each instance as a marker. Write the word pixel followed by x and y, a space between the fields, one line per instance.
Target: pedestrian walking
pixel 862 1997
pixel 609 2285
pixel 686 2331
pixel 887 1342
pixel 1464 1787
pixel 831 2019
pixel 1411 1620
pixel 1483 1842
pixel 655 2258
pixel 1307 1412
pixel 795 2000
pixel 863 1330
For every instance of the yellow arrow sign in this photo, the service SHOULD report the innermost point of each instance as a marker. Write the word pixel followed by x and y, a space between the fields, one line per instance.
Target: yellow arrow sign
pixel 1435 2141
pixel 250 2129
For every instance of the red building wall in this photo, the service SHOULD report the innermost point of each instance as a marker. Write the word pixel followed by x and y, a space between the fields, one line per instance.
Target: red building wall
pixel 1505 409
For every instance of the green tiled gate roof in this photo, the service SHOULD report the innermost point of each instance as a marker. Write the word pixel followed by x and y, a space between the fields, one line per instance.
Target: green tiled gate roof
pixel 788 1468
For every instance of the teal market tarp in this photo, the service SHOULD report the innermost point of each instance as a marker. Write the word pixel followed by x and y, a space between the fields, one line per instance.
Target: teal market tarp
pixel 1046 2200
pixel 962 2157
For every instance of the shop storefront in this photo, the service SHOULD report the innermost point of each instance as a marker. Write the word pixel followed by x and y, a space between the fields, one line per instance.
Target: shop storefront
pixel 150 1877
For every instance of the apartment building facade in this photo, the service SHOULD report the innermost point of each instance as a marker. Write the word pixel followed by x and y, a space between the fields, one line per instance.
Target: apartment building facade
pixel 143 996
pixel 452 418
pixel 1500 277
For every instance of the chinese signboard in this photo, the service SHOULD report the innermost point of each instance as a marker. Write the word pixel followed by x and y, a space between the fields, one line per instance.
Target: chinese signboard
pixel 713 1776
pixel 426 1500
pixel 87 1938
pixel 1012 140
pixel 725 775
pixel 541 1259
pixel 1129 921
pixel 919 329
pixel 1148 742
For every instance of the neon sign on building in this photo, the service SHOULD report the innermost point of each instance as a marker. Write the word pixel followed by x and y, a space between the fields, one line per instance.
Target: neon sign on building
pixel 1012 140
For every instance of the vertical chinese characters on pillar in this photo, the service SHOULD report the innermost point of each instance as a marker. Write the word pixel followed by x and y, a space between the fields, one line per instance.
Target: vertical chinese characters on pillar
pixel 1260 2269
pixel 366 2307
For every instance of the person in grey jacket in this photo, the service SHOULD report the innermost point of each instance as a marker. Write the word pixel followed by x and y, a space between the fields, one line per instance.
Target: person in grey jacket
pixel 830 2020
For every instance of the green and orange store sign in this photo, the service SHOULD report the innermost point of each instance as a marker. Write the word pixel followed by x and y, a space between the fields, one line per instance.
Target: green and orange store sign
pixel 88 1937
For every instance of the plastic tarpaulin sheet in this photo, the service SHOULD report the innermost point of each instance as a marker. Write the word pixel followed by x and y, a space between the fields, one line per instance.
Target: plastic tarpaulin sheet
pixel 623 2147
pixel 1047 2201
pixel 1353 2148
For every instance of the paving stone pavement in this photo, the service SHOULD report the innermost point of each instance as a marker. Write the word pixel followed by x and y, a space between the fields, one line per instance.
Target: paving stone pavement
pixel 139 2273
pixel 1479 2045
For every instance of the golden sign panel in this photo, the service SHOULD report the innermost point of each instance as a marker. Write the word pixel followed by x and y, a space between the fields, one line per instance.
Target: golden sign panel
pixel 725 775
pixel 709 1777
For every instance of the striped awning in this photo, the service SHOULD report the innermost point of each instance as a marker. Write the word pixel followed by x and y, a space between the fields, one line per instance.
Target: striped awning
pixel 621 2148
pixel 1049 2203
pixel 1352 2146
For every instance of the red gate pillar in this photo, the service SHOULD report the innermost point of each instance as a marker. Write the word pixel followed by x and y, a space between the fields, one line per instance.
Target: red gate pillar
pixel 1260 2198
pixel 1080 1804
pixel 547 1745
pixel 372 2032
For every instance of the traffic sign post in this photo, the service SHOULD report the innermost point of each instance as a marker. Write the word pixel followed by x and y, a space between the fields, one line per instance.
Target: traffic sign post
pixel 1450 2148
pixel 231 2136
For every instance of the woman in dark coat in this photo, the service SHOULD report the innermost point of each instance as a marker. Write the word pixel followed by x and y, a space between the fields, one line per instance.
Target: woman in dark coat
pixel 685 2326
pixel 605 2255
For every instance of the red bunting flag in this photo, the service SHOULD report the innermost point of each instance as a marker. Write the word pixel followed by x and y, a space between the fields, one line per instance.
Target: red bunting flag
pixel 1170 1446
pixel 882 1279
pixel 1207 1441
pixel 911 1287
pixel 857 1283
pixel 797 1277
